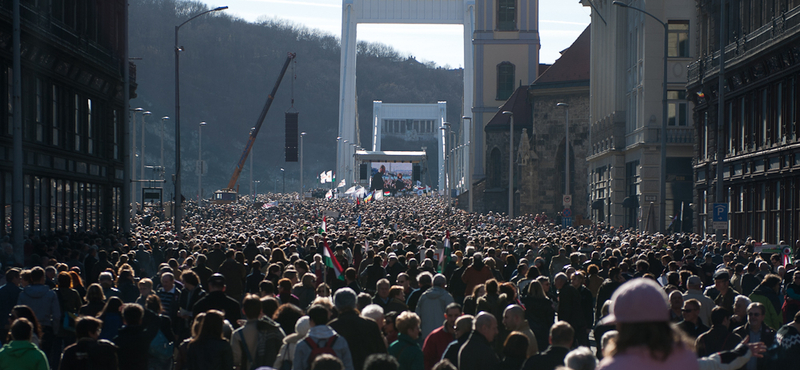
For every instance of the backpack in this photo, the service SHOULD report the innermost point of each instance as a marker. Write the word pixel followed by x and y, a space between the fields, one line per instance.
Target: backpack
pixel 317 350
pixel 161 348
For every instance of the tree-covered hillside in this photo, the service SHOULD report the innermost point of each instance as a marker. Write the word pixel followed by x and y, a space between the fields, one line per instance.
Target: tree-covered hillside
pixel 228 67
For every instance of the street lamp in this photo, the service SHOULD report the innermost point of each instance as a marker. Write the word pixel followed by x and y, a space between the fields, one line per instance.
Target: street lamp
pixel 162 142
pixel 351 173
pixel 141 161
pixel 200 164
pixel 446 134
pixel 510 165
pixel 178 214
pixel 663 183
pixel 283 173
pixel 469 159
pixel 252 159
pixel 302 134
pixel 338 156
pixel 566 150
pixel 256 193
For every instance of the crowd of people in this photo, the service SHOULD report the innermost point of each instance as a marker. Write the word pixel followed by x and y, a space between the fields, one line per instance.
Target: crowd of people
pixel 403 283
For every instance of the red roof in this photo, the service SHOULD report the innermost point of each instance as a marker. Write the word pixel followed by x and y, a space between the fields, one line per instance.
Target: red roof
pixel 573 64
pixel 519 105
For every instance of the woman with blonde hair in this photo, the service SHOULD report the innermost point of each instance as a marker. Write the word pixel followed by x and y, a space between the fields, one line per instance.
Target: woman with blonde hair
pixel 406 348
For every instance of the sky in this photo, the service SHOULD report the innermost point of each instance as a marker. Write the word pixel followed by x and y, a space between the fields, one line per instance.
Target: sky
pixel 560 23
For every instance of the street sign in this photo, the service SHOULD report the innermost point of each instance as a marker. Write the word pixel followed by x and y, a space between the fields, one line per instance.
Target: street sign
pixel 566 212
pixel 650 198
pixel 566 221
pixel 567 200
pixel 719 216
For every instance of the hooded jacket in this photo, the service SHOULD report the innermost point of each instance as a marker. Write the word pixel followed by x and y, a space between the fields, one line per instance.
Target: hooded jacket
pixel 43 302
pixel 320 335
pixel 22 354
pixel 431 307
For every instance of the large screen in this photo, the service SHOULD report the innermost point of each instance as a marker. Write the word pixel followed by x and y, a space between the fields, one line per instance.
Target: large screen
pixel 396 176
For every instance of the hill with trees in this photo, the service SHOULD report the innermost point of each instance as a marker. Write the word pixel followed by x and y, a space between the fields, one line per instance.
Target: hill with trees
pixel 227 68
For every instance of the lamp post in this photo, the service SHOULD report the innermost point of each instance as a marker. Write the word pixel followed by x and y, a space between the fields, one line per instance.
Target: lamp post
pixel 302 134
pixel 178 214
pixel 338 156
pixel 200 164
pixel 252 159
pixel 256 192
pixel 351 174
pixel 446 134
pixel 663 183
pixel 141 160
pixel 469 160
pixel 346 165
pixel 283 173
pixel 566 148
pixel 133 157
pixel 510 165
pixel 162 143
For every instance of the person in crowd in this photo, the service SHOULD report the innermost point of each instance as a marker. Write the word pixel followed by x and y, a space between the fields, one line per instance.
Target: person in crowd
pixel 305 291
pixel 89 352
pixel 539 313
pixel 756 331
pixel 406 348
pixel 691 324
pixel 739 317
pixel 788 340
pixel 645 339
pixel 437 341
pixel 22 311
pixel 320 336
pixel 720 337
pixel 766 293
pixel 561 339
pixel 791 300
pixel 20 353
pixel 381 361
pixel 286 352
pixel 258 341
pixel 216 299
pixel 363 335
pixel 424 283
pixel 580 358
pixel 209 349
pixel 9 293
pixel 111 315
pixel 514 320
pixel 724 295
pixel 44 304
pixel 432 305
pixel 694 290
pixel 133 342
pixel 515 349
pixel 471 301
pixel 477 351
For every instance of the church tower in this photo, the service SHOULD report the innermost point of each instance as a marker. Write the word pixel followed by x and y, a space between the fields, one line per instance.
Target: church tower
pixel 506 46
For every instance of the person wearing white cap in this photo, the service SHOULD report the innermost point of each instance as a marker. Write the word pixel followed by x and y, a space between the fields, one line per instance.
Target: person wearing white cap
pixel 646 339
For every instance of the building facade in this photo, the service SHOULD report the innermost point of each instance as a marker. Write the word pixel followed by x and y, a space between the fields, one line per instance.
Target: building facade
pixel 759 145
pixel 506 46
pixel 627 58
pixel 72 115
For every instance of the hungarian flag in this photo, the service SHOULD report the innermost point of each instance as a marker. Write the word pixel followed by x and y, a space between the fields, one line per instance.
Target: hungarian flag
pixel 331 261
pixel 322 229
pixel 444 256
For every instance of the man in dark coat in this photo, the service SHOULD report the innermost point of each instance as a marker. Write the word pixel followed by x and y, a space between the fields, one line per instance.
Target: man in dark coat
pixel 235 275
pixel 758 332
pixel 569 302
pixel 362 334
pixel 719 337
pixel 89 352
pixel 462 332
pixel 477 352
pixel 216 299
pixel 132 340
pixel 202 271
pixel 377 180
pixel 607 289
pixel 561 337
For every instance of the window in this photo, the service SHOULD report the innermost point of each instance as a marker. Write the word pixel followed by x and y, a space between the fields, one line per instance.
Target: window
pixel 39 113
pixel 77 124
pixel 10 100
pixel 676 108
pixel 506 15
pixel 678 39
pixel 55 117
pixel 89 127
pixel 505 80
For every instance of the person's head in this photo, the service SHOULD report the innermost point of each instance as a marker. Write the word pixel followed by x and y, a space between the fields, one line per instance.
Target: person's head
pixel 691 310
pixel 88 327
pixel 451 313
pixel 560 280
pixel 676 300
pixel 344 299
pixel 439 280
pixel 383 287
pixel 720 317
pixel 694 283
pixel 397 292
pixel 578 278
pixel 12 275
pixel 381 361
pixel 425 279
pixel 562 334
pixel 740 304
pixel 212 325
pixel 37 275
pixel 772 281
pixel 581 358
pixel 145 287
pixel 513 317
pixel 402 280
pixel 444 364
pixel 755 314
pixel 722 280
pixel 374 312
pixel 327 362
pixel 516 345
pixel 64 280
pixel 318 315
pixel 251 307
pixel 132 314
pixel 167 281
pixel 408 323
pixel 153 303
pixel 216 283
pixel 463 325
pixel 478 291
pixel 535 289
pixel 21 329
pixel 485 324
pixel 105 279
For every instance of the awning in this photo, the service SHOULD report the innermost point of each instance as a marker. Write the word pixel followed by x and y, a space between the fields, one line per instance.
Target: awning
pixel 631 202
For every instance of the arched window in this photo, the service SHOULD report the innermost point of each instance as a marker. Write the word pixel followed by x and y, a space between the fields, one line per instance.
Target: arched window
pixel 496 165
pixel 506 15
pixel 505 80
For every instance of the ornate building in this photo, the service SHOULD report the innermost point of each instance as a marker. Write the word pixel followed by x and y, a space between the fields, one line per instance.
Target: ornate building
pixel 72 114
pixel 759 147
